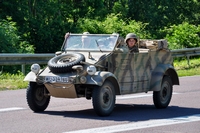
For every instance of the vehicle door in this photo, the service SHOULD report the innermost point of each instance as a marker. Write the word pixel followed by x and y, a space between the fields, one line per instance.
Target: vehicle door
pixel 132 71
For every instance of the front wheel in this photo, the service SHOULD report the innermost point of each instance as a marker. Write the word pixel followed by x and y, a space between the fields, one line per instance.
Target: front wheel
pixel 103 99
pixel 36 99
pixel 162 98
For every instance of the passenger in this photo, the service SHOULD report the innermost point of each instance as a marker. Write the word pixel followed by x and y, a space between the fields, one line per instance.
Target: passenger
pixel 85 41
pixel 131 41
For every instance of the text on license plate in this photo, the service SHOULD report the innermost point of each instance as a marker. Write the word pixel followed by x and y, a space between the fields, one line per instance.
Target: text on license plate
pixel 56 79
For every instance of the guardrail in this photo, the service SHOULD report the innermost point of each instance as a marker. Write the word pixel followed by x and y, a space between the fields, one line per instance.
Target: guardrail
pixel 18 59
pixel 24 59
pixel 186 52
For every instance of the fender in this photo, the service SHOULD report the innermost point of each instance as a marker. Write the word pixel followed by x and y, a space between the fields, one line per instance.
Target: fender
pixel 100 76
pixel 159 72
pixel 31 76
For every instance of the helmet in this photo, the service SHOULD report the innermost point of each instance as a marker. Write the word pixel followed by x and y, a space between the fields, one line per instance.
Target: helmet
pixel 130 35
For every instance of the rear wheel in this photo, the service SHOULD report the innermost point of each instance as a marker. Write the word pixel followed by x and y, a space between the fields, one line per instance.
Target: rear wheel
pixel 36 99
pixel 162 98
pixel 103 99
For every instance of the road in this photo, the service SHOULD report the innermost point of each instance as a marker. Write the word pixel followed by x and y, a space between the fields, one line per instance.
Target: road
pixel 132 114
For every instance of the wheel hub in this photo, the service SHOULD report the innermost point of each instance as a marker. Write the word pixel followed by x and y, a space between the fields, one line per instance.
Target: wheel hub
pixel 106 98
pixel 39 94
pixel 66 60
pixel 164 93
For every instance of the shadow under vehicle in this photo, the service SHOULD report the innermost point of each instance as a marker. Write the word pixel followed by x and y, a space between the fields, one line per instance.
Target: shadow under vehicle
pixel 101 68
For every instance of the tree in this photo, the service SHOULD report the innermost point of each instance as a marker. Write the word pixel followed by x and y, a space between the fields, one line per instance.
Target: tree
pixel 44 23
pixel 184 35
pixel 163 13
pixel 10 40
pixel 114 23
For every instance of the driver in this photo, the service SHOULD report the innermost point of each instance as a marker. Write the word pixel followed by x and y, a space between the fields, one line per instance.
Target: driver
pixel 131 41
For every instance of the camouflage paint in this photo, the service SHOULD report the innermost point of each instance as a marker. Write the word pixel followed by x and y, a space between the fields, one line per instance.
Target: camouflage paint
pixel 129 72
pixel 134 70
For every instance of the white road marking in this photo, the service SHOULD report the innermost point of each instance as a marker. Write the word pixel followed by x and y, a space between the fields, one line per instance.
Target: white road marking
pixel 11 109
pixel 136 96
pixel 141 125
pixel 133 96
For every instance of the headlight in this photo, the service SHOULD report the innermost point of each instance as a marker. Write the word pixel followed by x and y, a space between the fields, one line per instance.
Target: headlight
pixel 35 68
pixel 91 70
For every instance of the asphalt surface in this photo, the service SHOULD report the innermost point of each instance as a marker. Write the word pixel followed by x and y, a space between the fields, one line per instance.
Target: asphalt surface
pixel 132 113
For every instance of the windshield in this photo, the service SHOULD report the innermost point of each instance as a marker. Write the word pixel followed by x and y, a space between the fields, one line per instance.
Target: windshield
pixel 91 42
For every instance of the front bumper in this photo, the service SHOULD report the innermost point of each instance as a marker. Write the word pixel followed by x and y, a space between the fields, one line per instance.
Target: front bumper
pixel 61 90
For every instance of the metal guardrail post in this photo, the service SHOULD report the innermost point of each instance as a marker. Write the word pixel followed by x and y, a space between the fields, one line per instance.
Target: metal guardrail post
pixel 23 68
pixel 188 60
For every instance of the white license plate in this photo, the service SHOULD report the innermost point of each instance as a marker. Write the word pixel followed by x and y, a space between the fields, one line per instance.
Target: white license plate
pixel 57 79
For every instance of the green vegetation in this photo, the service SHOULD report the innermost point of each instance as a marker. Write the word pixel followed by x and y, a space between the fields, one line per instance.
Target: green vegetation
pixel 33 24
pixel 39 26
pixel 183 35
pixel 12 81
pixel 183 69
pixel 10 40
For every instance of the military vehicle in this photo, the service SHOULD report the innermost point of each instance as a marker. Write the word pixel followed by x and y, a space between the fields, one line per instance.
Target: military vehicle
pixel 100 67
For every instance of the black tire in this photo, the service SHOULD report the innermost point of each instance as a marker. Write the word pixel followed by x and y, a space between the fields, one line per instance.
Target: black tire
pixel 103 99
pixel 163 97
pixel 64 63
pixel 35 97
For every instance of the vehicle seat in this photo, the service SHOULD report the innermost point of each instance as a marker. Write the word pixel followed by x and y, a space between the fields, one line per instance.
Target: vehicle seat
pixel 120 42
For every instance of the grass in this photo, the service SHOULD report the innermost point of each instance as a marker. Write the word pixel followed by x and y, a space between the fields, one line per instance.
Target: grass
pixel 184 68
pixel 15 81
pixel 12 81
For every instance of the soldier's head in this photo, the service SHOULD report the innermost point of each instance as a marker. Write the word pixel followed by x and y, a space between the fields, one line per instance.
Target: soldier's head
pixel 131 39
pixel 85 39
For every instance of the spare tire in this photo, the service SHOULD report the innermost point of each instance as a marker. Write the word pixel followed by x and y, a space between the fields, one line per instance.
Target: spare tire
pixel 64 63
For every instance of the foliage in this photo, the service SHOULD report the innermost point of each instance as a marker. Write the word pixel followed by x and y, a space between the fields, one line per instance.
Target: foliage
pixel 9 39
pixel 44 23
pixel 113 23
pixel 162 13
pixel 184 35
